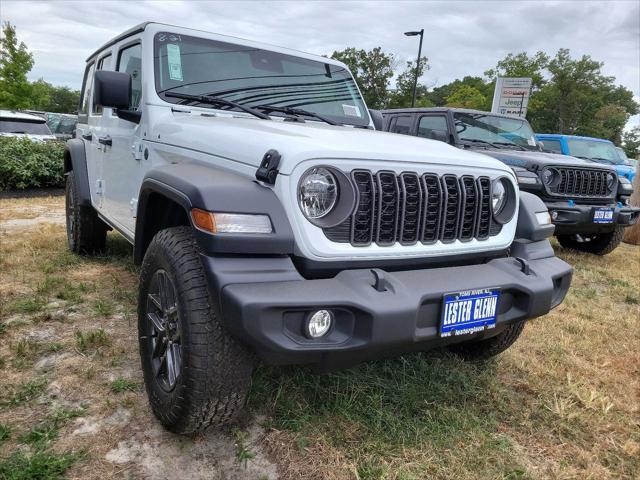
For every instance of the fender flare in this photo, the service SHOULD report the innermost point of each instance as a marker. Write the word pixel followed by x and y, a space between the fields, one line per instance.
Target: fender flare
pixel 75 163
pixel 212 189
pixel 528 227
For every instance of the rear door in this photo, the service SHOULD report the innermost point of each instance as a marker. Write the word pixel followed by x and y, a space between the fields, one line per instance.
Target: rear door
pixel 401 124
pixel 434 126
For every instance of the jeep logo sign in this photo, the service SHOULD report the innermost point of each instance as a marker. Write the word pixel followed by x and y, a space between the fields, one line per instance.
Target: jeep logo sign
pixel 511 96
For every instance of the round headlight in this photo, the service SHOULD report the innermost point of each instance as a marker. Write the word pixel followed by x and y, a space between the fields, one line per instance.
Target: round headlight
pixel 548 176
pixel 318 192
pixel 498 196
pixel 610 180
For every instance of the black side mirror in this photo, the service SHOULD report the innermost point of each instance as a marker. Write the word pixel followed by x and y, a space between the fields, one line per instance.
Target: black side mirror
pixel 439 135
pixel 111 89
pixel 377 118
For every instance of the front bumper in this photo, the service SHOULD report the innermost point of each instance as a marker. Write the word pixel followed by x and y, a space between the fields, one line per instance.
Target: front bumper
pixel 575 218
pixel 270 315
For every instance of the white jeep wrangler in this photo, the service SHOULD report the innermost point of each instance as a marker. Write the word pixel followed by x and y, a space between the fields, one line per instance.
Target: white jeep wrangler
pixel 273 222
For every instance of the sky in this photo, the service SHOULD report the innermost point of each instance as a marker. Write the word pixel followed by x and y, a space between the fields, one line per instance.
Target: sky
pixel 461 37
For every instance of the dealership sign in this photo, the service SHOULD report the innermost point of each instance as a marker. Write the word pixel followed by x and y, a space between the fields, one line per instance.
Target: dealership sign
pixel 511 96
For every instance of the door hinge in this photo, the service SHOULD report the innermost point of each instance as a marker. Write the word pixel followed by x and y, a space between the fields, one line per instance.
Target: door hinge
pixel 136 150
pixel 99 187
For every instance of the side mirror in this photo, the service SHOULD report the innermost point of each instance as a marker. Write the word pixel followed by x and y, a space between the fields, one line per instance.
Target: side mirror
pixel 111 89
pixel 377 118
pixel 440 136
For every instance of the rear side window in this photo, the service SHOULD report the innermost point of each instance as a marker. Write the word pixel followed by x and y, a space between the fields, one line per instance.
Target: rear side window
pixel 401 124
pixel 552 146
pixel 87 85
pixel 130 61
pixel 432 123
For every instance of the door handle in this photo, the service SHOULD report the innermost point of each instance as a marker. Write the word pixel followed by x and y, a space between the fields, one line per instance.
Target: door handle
pixel 105 140
pixel 87 136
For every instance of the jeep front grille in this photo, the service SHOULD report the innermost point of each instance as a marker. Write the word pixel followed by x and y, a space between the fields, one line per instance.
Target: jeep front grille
pixel 409 208
pixel 577 182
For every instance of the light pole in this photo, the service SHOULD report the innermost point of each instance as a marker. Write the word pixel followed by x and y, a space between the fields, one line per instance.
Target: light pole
pixel 415 81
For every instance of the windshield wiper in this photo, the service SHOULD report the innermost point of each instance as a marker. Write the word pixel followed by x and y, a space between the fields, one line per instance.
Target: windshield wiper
pixel 477 140
pixel 295 111
pixel 217 101
pixel 511 144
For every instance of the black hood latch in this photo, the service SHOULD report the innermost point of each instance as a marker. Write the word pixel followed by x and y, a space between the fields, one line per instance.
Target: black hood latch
pixel 268 169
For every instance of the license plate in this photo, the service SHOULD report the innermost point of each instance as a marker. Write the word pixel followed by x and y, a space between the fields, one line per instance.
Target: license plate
pixel 603 215
pixel 469 311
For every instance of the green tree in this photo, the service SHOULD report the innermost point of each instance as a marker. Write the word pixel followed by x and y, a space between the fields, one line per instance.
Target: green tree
pixel 466 96
pixel 521 65
pixel 403 94
pixel 372 71
pixel 631 142
pixel 15 63
pixel 49 98
pixel 579 99
pixel 438 96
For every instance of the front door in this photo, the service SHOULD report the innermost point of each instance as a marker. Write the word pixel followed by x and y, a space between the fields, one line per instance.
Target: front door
pixel 121 166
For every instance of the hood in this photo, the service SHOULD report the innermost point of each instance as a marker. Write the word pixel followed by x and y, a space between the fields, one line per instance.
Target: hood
pixel 247 139
pixel 532 160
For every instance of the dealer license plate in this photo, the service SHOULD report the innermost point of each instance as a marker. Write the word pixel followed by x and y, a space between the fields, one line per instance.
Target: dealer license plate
pixel 469 311
pixel 603 215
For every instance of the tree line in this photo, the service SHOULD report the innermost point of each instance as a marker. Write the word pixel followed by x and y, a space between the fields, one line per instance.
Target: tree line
pixel 569 95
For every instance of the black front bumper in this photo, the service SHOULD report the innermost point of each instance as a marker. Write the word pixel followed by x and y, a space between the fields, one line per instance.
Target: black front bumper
pixel 577 218
pixel 269 314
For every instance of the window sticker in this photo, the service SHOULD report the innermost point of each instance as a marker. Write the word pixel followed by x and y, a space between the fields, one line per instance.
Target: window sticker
pixel 351 110
pixel 174 62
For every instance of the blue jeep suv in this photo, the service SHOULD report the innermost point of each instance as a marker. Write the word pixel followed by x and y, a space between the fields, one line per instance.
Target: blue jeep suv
pixel 595 149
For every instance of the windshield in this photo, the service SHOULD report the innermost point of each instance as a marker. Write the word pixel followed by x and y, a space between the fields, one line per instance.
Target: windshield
pixel 483 127
pixel 623 155
pixel 252 77
pixel 601 152
pixel 24 126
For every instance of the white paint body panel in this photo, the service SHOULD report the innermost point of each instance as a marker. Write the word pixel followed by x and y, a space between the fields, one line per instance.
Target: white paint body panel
pixel 237 142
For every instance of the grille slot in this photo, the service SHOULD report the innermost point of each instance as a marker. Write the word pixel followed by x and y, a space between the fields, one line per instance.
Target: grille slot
pixel 577 182
pixel 409 208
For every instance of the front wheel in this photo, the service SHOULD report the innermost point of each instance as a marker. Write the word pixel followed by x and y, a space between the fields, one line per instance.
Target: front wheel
pixel 196 374
pixel 479 350
pixel 86 233
pixel 598 244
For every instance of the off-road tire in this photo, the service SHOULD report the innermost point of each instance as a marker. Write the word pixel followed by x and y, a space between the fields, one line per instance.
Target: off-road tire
pixel 86 233
pixel 215 371
pixel 480 350
pixel 599 244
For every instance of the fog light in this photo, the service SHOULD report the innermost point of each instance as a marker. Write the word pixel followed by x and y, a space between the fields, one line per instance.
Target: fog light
pixel 554 215
pixel 319 323
pixel 544 218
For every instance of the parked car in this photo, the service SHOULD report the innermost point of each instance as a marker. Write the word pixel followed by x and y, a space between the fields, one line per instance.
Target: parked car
pixel 596 149
pixel 273 222
pixel 62 125
pixel 18 124
pixel 587 201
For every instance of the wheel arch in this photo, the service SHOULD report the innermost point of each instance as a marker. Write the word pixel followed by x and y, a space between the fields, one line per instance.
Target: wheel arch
pixel 169 192
pixel 75 163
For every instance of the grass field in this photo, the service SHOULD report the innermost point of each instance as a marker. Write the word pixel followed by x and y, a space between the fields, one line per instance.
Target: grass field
pixel 563 403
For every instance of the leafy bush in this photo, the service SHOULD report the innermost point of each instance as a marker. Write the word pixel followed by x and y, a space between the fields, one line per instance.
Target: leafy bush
pixel 27 164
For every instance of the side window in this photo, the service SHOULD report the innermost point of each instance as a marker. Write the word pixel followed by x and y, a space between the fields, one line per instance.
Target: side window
pixel 401 124
pixel 551 146
pixel 432 123
pixel 87 86
pixel 130 61
pixel 103 64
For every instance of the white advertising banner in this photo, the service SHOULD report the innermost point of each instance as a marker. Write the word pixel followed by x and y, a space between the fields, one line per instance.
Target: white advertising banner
pixel 511 96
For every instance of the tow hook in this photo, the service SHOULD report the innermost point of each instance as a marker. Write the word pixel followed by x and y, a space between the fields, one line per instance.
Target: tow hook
pixel 380 281
pixel 524 265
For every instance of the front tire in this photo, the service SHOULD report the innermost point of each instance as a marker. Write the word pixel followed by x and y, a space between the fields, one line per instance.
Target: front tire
pixel 196 374
pixel 86 233
pixel 599 244
pixel 480 350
